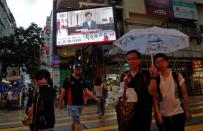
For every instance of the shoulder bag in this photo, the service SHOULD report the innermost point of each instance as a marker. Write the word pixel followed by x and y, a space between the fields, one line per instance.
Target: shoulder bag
pixel 125 110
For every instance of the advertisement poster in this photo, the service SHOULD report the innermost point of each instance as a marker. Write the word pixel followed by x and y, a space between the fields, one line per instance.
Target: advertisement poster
pixel 56 76
pixel 185 10
pixel 159 7
pixel 86 26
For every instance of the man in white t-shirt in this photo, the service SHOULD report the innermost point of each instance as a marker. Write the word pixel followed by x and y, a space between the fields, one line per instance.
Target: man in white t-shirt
pixel 172 113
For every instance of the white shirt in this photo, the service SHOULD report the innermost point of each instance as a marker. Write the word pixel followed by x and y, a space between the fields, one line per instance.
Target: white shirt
pixel 89 23
pixel 99 89
pixel 170 104
pixel 9 95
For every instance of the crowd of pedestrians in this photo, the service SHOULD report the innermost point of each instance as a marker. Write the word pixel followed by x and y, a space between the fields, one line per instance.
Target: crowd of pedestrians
pixel 157 90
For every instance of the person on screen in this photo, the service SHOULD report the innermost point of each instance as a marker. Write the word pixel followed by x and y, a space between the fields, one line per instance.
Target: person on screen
pixel 58 26
pixel 89 23
pixel 106 38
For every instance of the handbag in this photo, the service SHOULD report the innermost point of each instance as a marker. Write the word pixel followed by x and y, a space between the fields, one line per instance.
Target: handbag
pixel 69 95
pixel 125 110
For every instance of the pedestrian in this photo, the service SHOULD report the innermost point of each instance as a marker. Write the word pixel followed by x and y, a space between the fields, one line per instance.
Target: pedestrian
pixel 28 110
pixel 3 87
pixel 43 102
pixel 58 26
pixel 9 98
pixel 173 98
pixel 100 90
pixel 140 83
pixel 73 92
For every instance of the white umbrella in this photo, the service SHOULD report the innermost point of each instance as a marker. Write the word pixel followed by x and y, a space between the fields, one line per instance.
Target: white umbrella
pixel 115 51
pixel 153 40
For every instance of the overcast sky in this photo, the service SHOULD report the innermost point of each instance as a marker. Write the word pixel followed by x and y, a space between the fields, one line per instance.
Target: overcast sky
pixel 27 11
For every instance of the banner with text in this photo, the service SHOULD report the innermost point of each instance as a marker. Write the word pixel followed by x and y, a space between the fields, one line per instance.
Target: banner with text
pixel 159 7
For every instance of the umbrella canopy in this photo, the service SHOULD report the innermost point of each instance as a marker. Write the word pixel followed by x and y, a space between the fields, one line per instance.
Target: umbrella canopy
pixel 115 51
pixel 153 40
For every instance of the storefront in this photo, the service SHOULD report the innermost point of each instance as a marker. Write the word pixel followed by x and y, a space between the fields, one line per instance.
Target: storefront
pixel 197 76
pixel 197 66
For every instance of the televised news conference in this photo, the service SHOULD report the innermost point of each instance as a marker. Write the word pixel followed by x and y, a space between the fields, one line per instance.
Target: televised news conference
pixel 86 26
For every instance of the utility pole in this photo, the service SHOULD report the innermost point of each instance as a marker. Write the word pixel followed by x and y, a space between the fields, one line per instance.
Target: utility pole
pixel 54 28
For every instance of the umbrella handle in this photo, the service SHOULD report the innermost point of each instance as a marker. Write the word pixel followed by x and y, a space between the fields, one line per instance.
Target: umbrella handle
pixel 152 58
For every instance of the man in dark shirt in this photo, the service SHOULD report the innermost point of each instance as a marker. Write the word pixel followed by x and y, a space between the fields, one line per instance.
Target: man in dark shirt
pixel 144 84
pixel 72 91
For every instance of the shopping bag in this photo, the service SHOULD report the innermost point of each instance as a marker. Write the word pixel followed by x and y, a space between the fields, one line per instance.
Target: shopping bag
pixel 125 110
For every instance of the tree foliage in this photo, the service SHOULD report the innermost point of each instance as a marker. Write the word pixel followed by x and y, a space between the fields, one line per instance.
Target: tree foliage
pixel 22 48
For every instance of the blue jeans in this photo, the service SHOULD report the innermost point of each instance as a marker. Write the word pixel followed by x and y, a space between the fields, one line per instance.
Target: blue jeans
pixel 101 105
pixel 174 123
pixel 75 112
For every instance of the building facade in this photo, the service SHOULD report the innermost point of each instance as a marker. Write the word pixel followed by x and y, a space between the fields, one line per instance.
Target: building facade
pixel 7 21
pixel 142 15
pixel 46 54
pixel 184 15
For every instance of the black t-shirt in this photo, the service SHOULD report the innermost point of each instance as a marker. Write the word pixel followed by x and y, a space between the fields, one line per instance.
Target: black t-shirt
pixel 77 87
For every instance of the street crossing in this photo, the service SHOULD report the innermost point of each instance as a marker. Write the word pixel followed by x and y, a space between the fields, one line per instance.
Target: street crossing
pixel 11 120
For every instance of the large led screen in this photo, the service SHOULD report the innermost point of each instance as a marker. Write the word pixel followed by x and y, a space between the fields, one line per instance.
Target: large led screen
pixel 86 26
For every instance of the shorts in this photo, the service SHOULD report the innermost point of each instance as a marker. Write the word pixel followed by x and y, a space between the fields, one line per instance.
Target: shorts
pixel 75 112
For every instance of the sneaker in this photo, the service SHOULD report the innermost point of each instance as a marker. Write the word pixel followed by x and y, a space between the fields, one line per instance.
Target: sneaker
pixel 99 116
pixel 102 116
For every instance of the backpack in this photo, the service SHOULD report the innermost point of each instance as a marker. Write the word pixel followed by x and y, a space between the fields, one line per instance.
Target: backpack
pixel 68 94
pixel 175 77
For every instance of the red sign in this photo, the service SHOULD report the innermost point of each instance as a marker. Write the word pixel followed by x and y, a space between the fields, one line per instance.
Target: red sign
pixel 159 7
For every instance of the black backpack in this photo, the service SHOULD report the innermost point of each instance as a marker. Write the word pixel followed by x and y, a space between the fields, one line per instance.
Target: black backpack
pixel 68 79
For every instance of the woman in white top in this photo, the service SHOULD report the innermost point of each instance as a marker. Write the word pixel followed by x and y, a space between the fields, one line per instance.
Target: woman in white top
pixel 100 91
pixel 9 97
